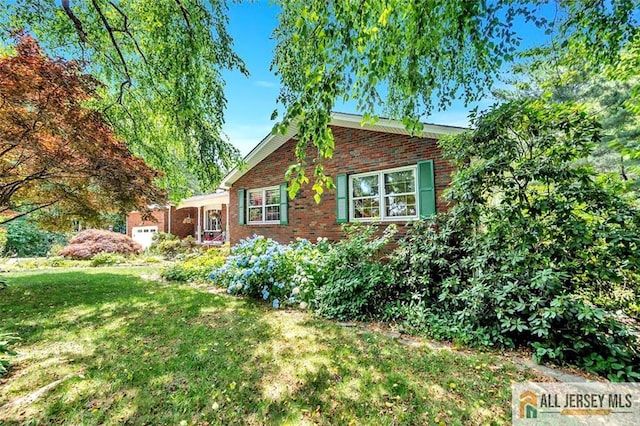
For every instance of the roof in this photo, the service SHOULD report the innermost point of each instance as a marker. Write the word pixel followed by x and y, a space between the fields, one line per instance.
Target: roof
pixel 274 141
pixel 216 200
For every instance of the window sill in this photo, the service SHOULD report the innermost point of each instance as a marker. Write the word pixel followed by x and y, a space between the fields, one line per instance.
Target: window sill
pixel 385 220
pixel 275 222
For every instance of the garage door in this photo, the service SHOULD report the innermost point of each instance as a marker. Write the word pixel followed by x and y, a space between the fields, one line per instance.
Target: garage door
pixel 143 235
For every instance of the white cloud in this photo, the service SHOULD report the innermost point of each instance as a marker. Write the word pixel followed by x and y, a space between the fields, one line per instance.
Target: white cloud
pixel 265 84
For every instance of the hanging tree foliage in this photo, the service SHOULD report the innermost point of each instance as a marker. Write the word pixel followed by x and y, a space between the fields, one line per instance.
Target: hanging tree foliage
pixel 56 154
pixel 161 63
pixel 406 58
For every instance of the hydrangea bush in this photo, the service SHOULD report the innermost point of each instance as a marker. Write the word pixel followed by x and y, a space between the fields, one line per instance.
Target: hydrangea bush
pixel 281 274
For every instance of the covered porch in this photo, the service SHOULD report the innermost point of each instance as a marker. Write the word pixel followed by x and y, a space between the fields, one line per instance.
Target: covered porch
pixel 209 216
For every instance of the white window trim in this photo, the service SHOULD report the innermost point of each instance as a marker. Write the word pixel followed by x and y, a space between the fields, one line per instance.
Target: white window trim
pixel 264 205
pixel 382 196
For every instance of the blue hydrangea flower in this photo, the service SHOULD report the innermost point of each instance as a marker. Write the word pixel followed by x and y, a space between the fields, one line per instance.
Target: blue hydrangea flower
pixel 276 303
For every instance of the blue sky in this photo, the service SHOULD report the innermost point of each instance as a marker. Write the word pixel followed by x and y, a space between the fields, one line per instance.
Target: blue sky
pixel 251 100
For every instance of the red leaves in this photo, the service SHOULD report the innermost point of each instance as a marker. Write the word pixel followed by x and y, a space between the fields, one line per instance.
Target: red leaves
pixel 54 149
pixel 87 244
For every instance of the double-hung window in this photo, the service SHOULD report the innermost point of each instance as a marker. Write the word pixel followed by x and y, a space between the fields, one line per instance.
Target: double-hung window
pixel 384 195
pixel 263 205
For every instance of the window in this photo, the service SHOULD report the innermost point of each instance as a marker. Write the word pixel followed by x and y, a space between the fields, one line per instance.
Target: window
pixel 263 205
pixel 384 195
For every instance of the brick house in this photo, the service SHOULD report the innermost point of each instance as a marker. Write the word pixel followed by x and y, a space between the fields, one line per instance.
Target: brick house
pixel 203 217
pixel 382 175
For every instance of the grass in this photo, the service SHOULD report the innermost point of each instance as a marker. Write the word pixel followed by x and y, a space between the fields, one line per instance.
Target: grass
pixel 133 350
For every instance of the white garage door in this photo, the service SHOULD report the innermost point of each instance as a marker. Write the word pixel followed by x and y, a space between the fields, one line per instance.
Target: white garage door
pixel 143 235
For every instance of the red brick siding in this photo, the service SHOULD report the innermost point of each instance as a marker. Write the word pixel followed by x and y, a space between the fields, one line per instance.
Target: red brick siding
pixel 356 151
pixel 161 218
pixel 134 219
pixel 178 227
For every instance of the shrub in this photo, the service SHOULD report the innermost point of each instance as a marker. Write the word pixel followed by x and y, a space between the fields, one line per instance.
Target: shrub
pixel 102 259
pixel 354 282
pixel 532 231
pixel 86 244
pixel 262 268
pixel 352 292
pixel 3 239
pixel 6 340
pixel 25 239
pixel 198 267
pixel 56 248
pixel 170 246
pixel 343 280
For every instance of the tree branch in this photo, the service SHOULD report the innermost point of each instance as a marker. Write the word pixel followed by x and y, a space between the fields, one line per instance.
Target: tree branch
pixel 115 44
pixel 76 22
pixel 40 207
pixel 185 15
pixel 125 29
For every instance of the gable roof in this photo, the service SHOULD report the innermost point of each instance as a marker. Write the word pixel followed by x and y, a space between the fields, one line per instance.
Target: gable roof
pixel 272 142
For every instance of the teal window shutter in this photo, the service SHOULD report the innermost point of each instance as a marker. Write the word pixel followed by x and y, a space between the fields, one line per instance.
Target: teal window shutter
pixel 342 211
pixel 284 214
pixel 241 209
pixel 426 189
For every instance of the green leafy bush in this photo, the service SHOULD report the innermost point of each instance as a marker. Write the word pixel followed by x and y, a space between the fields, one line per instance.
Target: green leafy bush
pixel 48 262
pixel 197 267
pixel 354 283
pixel 3 239
pixel 6 340
pixel 531 232
pixel 102 259
pixel 343 280
pixel 171 247
pixel 25 239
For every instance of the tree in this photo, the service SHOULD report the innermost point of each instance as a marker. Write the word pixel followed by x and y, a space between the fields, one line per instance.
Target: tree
pixel 405 58
pixel 161 63
pixel 57 156
pixel 564 77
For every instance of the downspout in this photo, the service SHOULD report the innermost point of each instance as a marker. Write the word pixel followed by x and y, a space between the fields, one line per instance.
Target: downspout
pixel 169 220
pixel 226 237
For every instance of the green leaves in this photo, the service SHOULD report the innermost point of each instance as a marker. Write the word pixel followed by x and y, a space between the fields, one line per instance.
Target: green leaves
pixel 537 249
pixel 161 63
pixel 6 340
pixel 353 51
pixel 406 59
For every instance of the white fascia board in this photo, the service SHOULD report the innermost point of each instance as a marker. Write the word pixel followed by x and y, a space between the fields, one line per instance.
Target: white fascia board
pixel 272 142
pixel 386 125
pixel 266 147
pixel 214 199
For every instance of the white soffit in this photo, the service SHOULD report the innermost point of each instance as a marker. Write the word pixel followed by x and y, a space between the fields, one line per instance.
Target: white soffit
pixel 215 200
pixel 272 142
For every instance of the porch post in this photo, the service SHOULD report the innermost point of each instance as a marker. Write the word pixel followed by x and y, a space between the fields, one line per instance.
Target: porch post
pixel 199 227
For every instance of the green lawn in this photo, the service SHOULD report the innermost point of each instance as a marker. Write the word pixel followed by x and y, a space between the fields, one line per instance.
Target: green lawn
pixel 142 352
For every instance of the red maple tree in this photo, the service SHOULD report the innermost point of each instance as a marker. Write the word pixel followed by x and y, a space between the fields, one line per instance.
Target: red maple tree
pixel 57 155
